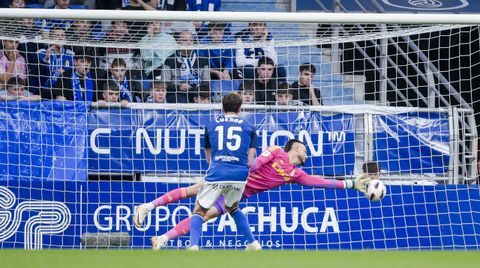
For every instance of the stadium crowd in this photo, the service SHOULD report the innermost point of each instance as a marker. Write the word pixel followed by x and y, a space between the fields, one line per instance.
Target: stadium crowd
pixel 52 59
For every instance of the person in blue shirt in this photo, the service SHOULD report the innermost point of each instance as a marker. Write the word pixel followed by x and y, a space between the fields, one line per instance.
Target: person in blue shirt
pixel 53 61
pixel 230 145
pixel 77 84
pixel 220 59
pixel 49 24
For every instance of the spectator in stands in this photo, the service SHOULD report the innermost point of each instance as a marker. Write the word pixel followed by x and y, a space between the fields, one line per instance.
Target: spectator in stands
pixel 247 57
pixel 285 97
pixel 77 84
pixel 81 31
pixel 130 90
pixel 184 70
pixel 303 89
pixel 53 61
pixel 110 94
pixel 220 59
pixel 12 63
pixel 158 92
pixel 204 5
pixel 265 85
pixel 203 95
pixel 17 4
pixel 119 33
pixel 16 90
pixel 154 58
pixel 30 42
pixel 47 24
pixel 247 92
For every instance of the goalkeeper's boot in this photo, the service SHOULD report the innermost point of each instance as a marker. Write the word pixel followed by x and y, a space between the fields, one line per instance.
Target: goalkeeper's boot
pixel 159 242
pixel 141 212
pixel 254 246
pixel 193 248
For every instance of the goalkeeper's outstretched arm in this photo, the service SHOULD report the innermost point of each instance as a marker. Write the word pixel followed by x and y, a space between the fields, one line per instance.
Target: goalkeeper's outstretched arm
pixel 305 179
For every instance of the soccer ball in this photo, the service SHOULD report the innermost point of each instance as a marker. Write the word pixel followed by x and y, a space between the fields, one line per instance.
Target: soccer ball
pixel 375 190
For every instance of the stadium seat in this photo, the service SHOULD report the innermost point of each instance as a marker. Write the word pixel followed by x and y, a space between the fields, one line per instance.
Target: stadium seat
pixel 336 94
pixel 224 86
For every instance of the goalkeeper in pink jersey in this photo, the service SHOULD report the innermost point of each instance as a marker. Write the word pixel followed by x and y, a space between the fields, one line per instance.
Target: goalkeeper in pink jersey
pixel 274 167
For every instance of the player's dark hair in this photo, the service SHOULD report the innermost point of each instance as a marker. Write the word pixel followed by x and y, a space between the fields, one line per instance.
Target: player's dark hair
pixel 231 103
pixel 371 167
pixel 290 143
pixel 307 67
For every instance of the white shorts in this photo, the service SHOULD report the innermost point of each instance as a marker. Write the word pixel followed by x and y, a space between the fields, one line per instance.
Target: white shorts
pixel 211 191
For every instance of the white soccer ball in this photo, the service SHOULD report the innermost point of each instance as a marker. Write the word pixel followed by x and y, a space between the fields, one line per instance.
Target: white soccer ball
pixel 375 190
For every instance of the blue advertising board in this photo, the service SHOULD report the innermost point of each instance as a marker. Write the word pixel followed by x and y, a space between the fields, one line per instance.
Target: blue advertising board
pixel 171 141
pixel 36 215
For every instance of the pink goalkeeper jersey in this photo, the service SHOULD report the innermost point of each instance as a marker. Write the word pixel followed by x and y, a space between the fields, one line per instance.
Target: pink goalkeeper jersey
pixel 272 169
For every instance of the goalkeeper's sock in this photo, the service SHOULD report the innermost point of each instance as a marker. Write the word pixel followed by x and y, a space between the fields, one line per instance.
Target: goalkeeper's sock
pixel 195 229
pixel 172 196
pixel 182 228
pixel 242 225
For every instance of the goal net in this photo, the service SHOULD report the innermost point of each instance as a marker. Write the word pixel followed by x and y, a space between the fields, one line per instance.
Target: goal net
pixel 102 112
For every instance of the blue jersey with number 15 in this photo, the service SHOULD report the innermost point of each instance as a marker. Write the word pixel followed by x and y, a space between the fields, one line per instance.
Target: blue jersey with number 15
pixel 229 138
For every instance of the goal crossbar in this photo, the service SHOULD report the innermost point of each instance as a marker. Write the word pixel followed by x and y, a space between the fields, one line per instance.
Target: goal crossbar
pixel 314 17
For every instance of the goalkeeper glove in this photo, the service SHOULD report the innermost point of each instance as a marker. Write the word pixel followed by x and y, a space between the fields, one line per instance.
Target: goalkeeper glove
pixel 359 184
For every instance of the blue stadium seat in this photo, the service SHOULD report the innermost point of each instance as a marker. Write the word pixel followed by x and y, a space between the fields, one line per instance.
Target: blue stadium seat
pixel 336 94
pixel 224 86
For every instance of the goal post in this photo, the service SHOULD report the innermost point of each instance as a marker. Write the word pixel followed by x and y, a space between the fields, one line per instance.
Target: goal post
pixel 117 102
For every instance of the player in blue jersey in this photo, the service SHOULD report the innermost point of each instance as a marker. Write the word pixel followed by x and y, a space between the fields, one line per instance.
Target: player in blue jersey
pixel 230 145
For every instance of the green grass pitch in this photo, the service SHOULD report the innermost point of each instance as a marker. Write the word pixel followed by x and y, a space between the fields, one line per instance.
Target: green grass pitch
pixel 233 259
